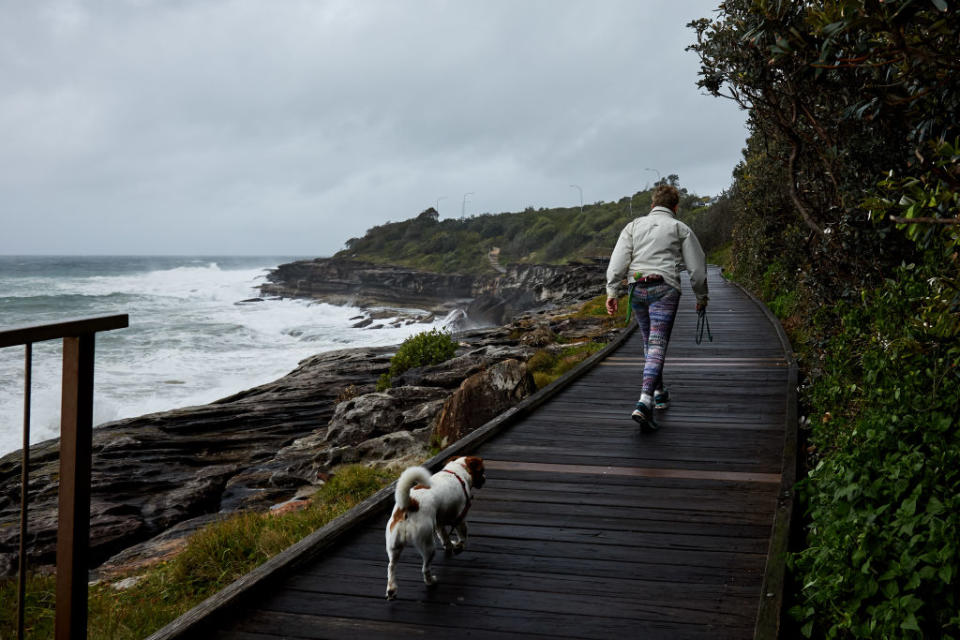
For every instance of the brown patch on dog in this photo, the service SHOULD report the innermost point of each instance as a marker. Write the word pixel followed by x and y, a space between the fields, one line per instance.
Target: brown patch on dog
pixel 398 515
pixel 421 486
pixel 401 514
pixel 475 467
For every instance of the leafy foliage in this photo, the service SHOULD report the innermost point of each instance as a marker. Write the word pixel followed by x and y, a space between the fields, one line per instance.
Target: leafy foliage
pixel 846 223
pixel 422 349
pixel 884 496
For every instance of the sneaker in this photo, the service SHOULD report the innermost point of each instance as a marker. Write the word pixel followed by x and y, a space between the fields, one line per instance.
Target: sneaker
pixel 643 415
pixel 661 399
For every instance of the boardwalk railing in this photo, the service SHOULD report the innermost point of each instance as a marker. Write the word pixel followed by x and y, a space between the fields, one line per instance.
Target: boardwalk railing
pixel 76 436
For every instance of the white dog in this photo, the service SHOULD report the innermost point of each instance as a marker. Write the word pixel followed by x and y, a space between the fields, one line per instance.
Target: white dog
pixel 431 505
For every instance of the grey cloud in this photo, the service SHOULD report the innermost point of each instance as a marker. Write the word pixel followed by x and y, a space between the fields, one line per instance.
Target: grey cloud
pixel 250 126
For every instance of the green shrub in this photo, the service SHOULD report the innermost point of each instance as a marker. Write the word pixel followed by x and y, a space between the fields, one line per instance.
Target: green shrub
pixel 883 500
pixel 425 348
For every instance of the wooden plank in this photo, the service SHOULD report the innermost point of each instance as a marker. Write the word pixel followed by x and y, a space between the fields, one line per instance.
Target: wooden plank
pixel 455 576
pixel 664 523
pixel 674 460
pixel 65 329
pixel 487 620
pixel 262 625
pixel 591 483
pixel 73 527
pixel 582 535
pixel 501 596
pixel 645 472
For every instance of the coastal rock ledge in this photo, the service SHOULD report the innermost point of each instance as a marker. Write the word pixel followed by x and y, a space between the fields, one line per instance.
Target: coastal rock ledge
pixel 487 300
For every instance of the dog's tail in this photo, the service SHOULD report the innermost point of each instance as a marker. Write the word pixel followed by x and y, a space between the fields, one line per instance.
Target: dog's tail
pixel 409 479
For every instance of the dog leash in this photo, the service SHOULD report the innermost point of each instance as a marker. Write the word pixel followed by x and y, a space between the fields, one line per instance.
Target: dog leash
pixel 466 494
pixel 702 323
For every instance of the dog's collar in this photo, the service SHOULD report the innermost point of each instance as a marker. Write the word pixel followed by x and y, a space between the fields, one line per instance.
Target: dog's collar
pixel 466 494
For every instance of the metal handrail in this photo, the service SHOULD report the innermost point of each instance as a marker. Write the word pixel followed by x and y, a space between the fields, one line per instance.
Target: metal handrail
pixel 76 438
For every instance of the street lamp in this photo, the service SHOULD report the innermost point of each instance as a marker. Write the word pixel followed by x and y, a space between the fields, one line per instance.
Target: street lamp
pixel 655 171
pixel 438 203
pixel 577 187
pixel 463 207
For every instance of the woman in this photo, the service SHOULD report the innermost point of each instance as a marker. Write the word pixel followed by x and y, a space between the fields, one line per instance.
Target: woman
pixel 654 249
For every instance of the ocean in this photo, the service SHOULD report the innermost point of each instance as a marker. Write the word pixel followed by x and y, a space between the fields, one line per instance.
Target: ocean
pixel 189 341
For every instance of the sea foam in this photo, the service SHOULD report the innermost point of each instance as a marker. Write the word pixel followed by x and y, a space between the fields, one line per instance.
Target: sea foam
pixel 189 341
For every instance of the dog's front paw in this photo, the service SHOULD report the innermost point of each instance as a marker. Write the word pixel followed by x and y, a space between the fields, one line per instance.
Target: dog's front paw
pixel 430 580
pixel 391 593
pixel 459 547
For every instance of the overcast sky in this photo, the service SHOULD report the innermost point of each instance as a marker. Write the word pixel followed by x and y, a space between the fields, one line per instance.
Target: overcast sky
pixel 283 127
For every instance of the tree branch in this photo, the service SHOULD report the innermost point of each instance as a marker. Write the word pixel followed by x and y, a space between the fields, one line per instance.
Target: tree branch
pixel 794 196
pixel 900 220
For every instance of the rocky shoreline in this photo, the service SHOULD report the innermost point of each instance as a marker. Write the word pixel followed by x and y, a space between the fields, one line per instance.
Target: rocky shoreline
pixel 158 477
pixel 486 300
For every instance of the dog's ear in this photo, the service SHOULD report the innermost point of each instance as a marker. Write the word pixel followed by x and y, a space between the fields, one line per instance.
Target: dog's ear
pixel 475 467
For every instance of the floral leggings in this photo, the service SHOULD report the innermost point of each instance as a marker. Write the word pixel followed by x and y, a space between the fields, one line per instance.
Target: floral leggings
pixel 655 306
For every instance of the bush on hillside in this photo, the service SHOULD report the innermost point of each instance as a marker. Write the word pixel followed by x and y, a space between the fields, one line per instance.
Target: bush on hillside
pixel 554 236
pixel 425 348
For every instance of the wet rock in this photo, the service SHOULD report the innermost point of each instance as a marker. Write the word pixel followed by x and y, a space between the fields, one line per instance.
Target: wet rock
pixel 398 449
pixel 539 336
pixel 374 414
pixel 343 281
pixel 453 372
pixel 491 299
pixel 482 397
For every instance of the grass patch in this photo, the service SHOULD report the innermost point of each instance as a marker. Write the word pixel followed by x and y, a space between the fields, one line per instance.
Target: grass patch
pixel 597 308
pixel 722 256
pixel 546 366
pixel 214 557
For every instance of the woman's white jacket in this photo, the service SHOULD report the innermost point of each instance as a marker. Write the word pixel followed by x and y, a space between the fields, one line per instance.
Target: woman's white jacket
pixel 658 243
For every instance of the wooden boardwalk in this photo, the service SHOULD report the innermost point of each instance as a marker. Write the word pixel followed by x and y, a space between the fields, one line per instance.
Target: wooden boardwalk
pixel 587 528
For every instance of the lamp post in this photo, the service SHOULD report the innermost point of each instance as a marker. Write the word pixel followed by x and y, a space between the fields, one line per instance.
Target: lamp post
pixel 463 207
pixel 438 203
pixel 655 171
pixel 577 187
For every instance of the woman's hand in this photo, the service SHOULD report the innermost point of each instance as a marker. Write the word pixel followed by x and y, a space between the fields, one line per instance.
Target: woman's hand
pixel 612 305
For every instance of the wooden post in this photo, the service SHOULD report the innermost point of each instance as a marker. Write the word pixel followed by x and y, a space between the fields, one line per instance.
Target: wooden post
pixel 76 441
pixel 24 493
